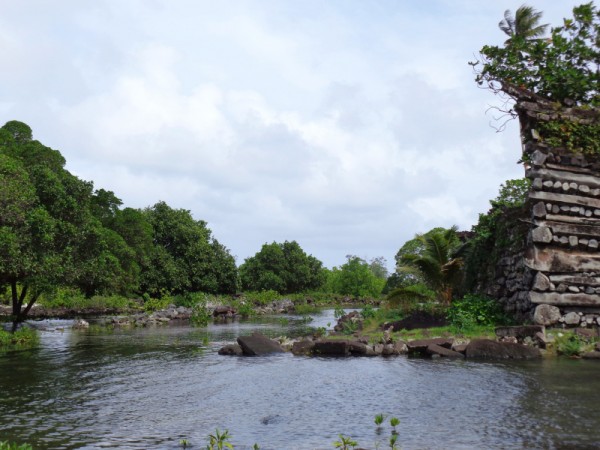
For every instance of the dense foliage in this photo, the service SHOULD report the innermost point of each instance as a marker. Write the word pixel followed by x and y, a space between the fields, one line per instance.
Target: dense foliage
pixel 562 68
pixel 185 257
pixel 282 267
pixel 57 231
pixel 496 231
pixel 429 260
pixel 358 278
pixel 473 310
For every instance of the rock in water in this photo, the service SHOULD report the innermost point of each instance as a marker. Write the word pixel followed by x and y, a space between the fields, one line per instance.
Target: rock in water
pixel 488 349
pixel 258 344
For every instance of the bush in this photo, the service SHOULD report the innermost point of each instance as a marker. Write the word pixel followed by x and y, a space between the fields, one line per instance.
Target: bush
pixel 63 297
pixel 569 345
pixel 262 298
pixel 472 310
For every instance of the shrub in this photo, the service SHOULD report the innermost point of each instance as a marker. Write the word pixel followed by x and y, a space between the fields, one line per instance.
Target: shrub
pixel 201 315
pixel 263 297
pixel 569 345
pixel 474 310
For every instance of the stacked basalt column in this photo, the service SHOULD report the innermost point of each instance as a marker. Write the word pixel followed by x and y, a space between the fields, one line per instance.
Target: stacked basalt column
pixel 563 247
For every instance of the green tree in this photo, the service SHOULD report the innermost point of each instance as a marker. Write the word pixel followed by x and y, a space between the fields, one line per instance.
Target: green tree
pixel 185 257
pixel 524 24
pixel 284 268
pixel 54 239
pixel 356 278
pixel 433 262
pixel 562 68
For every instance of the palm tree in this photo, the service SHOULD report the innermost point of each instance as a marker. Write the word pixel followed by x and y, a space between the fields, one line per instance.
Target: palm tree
pixel 524 24
pixel 435 264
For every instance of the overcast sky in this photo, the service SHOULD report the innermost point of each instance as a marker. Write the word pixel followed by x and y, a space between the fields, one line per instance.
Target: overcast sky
pixel 345 125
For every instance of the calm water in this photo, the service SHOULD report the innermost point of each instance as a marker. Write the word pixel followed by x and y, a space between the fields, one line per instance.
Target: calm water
pixel 149 388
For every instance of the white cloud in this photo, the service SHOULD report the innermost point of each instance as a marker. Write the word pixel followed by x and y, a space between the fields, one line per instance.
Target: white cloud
pixel 348 127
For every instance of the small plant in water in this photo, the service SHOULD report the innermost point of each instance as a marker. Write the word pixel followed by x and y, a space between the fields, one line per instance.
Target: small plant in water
pixel 394 422
pixel 184 443
pixel 379 419
pixel 219 441
pixel 393 439
pixel 345 442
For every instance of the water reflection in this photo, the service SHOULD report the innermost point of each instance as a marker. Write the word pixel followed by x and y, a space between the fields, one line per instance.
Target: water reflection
pixel 148 388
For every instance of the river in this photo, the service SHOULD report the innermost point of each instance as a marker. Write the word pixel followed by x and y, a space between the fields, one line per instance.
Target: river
pixel 148 388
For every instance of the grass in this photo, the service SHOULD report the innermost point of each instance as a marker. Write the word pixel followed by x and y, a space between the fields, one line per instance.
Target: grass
pixel 567 343
pixel 5 445
pixel 20 339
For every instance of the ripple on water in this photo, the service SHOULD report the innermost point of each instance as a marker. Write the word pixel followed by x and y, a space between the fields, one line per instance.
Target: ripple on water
pixel 148 388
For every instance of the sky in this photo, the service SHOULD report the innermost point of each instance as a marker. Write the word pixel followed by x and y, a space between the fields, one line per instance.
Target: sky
pixel 345 125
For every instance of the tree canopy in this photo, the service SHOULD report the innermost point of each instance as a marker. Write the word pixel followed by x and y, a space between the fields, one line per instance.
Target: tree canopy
pixel 56 230
pixel 562 68
pixel 358 278
pixel 282 267
pixel 430 260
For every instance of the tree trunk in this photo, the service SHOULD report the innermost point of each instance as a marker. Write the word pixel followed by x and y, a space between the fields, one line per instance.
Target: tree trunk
pixel 18 313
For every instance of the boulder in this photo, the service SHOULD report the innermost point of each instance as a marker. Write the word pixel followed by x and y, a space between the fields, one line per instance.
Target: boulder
pixel 258 344
pixel 81 324
pixel 591 355
pixel 388 350
pixel 358 348
pixel 519 332
pixel 231 350
pixel 400 348
pixel 303 347
pixel 546 314
pixel 220 311
pixel 434 349
pixel 540 340
pixel 488 349
pixel 420 345
pixel 331 348
pixel 572 318
pixel 460 348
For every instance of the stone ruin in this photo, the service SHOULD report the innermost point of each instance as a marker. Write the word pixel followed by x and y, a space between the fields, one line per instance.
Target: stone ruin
pixel 552 275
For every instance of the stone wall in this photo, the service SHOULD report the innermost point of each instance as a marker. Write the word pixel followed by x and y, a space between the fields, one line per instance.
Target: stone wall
pixel 560 264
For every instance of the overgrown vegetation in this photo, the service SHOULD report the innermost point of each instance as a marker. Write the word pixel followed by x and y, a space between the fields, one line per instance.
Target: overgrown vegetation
pixel 562 68
pixel 5 445
pixel 21 339
pixel 474 311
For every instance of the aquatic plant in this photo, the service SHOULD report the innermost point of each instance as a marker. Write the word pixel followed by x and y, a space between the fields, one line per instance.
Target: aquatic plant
pixel 219 440
pixel 200 315
pixel 5 445
pixel 394 422
pixel 22 338
pixel 345 442
pixel 392 442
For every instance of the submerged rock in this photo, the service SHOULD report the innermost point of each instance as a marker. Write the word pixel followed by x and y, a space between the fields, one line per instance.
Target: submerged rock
pixel 231 350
